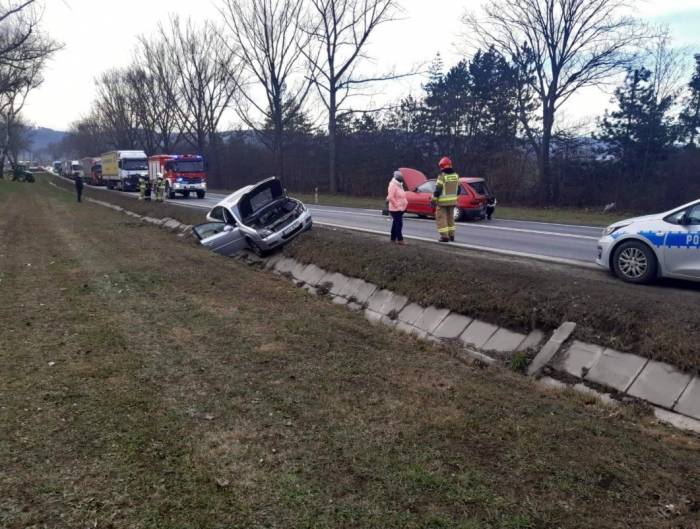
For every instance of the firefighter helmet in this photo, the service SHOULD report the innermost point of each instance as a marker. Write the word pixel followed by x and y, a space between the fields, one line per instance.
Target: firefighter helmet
pixel 445 163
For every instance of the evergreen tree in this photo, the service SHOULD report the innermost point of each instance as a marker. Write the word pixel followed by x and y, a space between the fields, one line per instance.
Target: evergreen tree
pixel 639 133
pixel 690 116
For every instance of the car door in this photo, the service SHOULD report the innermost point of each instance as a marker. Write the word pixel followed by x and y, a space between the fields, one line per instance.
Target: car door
pixel 420 199
pixel 682 245
pixel 220 237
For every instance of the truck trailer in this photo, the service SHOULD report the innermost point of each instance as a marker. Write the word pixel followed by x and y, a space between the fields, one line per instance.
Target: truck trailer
pixel 122 169
pixel 183 173
pixel 92 171
pixel 71 169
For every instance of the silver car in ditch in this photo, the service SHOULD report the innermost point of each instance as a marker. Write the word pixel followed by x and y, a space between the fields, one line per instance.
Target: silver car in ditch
pixel 640 249
pixel 260 217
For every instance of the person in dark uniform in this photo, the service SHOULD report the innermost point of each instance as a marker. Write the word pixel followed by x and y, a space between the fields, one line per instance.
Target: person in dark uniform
pixel 79 187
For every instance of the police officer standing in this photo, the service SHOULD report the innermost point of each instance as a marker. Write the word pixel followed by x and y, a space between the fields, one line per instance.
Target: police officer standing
pixel 79 187
pixel 445 200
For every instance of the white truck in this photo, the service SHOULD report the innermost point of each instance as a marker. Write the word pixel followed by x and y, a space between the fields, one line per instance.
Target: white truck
pixel 122 169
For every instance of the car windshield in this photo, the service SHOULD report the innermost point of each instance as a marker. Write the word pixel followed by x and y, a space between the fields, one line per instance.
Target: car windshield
pixel 135 164
pixel 427 187
pixel 196 166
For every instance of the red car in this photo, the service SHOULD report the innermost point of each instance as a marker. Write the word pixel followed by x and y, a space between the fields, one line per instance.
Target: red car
pixel 472 199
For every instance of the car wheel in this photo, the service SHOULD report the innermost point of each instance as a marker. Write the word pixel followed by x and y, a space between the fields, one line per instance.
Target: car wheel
pixel 200 194
pixel 634 262
pixel 256 249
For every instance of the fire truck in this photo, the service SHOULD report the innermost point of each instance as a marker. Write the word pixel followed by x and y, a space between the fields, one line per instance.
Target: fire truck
pixel 183 173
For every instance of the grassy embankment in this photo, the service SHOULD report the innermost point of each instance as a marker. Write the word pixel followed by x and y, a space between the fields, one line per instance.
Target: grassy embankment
pixel 657 321
pixel 147 383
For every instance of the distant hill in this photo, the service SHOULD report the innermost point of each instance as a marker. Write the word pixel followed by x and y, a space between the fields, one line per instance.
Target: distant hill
pixel 41 138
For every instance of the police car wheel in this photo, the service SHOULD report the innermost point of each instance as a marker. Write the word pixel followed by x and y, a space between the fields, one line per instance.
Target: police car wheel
pixel 634 262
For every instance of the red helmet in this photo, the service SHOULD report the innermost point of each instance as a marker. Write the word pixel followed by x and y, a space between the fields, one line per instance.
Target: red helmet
pixel 445 163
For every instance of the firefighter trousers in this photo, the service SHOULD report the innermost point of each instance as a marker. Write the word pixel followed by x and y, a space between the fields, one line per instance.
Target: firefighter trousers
pixel 445 218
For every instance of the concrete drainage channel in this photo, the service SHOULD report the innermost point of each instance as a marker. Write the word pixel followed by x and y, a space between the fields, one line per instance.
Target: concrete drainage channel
pixel 559 362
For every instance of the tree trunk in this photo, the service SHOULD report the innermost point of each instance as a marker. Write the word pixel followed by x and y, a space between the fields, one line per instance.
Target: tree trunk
pixel 332 128
pixel 545 169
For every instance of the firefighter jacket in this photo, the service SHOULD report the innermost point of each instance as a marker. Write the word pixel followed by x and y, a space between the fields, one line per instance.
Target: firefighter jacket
pixel 446 189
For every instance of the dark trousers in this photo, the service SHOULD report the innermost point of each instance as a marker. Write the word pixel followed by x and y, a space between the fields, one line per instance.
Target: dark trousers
pixel 397 225
pixel 79 191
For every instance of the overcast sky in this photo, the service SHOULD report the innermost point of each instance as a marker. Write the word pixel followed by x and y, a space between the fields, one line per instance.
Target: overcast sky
pixel 101 34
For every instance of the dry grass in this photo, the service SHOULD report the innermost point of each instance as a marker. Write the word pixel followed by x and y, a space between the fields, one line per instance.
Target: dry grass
pixel 160 409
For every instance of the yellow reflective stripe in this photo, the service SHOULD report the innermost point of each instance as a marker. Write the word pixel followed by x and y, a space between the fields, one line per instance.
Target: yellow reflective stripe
pixel 444 199
pixel 444 230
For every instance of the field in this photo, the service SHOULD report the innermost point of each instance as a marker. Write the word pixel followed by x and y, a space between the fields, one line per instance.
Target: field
pixel 149 383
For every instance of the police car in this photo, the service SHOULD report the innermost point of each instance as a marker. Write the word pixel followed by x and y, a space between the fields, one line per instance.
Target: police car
pixel 640 249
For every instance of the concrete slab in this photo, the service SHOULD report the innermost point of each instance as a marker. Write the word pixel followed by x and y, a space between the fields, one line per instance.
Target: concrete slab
pixel 378 299
pixel 394 304
pixel 551 348
pixel 298 271
pixel 373 317
pixel 689 403
pixel 410 329
pixel 339 300
pixel 430 319
pixel 504 341
pixel 285 265
pixel 478 333
pixel 363 291
pixel 312 275
pixel 532 340
pixel 616 370
pixel 389 322
pixel 411 313
pixel 355 307
pixel 339 281
pixel 601 397
pixel 311 290
pixel 550 382
pixel 578 358
pixel 271 261
pixel 659 384
pixel 679 421
pixel 452 326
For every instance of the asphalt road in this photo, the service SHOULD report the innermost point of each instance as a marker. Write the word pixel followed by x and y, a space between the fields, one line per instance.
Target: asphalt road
pixel 553 242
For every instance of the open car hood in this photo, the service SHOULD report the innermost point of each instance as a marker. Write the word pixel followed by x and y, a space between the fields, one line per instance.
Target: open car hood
pixel 412 177
pixel 260 196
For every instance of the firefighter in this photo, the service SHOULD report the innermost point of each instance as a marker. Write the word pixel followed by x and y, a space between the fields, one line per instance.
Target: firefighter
pixel 160 188
pixel 445 200
pixel 142 188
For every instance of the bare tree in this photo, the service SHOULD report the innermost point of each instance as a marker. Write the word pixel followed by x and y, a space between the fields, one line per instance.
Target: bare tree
pixel 158 98
pixel 564 45
pixel 24 50
pixel 342 29
pixel 204 76
pixel 269 38
pixel 115 109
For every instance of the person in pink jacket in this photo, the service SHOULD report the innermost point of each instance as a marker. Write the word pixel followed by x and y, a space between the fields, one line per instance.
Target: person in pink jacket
pixel 396 197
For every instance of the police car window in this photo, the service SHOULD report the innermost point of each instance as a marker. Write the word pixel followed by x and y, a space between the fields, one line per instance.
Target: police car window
pixel 694 215
pixel 218 213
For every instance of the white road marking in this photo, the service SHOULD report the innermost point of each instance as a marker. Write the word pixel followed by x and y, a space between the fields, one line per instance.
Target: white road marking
pixel 558 260
pixel 485 227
